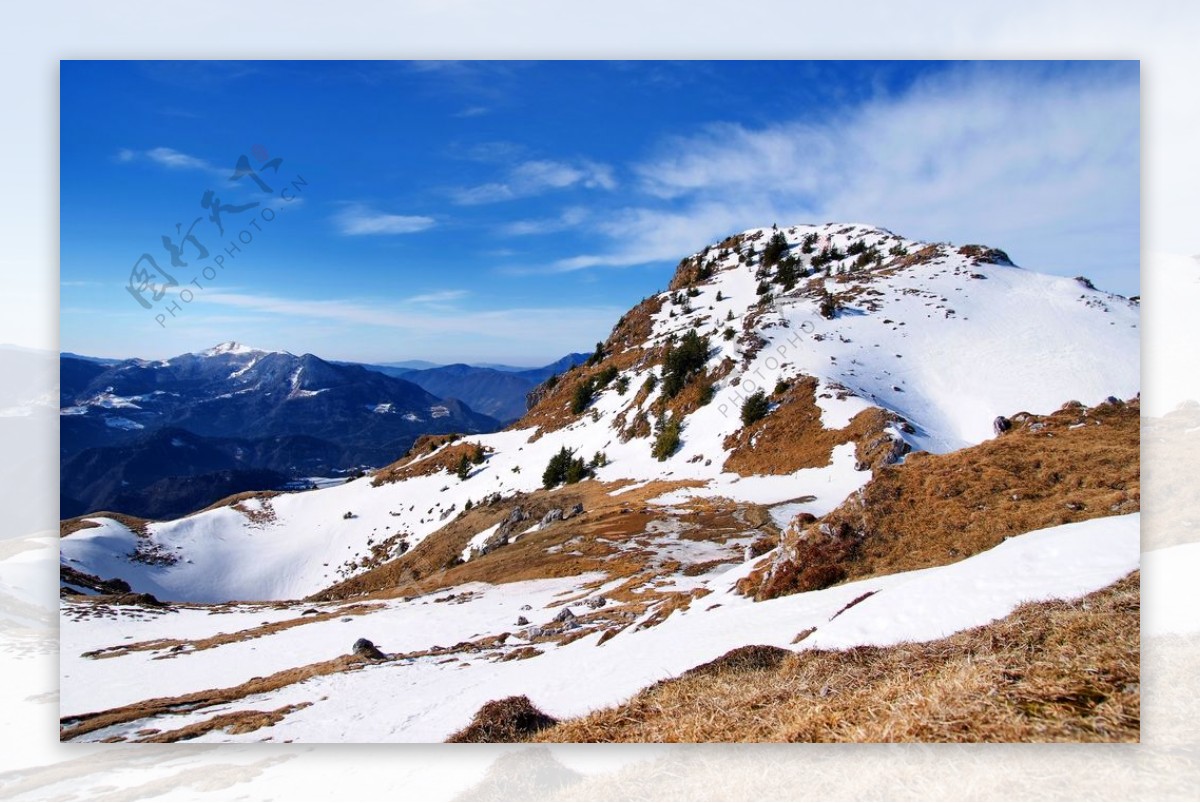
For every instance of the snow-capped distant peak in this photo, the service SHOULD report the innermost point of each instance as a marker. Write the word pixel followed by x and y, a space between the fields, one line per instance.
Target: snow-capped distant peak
pixel 228 347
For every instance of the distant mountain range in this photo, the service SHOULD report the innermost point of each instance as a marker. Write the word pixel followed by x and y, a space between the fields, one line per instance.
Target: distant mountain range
pixel 223 417
pixel 495 390
pixel 163 438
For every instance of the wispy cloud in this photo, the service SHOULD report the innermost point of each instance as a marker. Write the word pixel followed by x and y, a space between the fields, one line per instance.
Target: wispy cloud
pixel 538 176
pixel 570 218
pixel 977 154
pixel 473 111
pixel 441 297
pixel 175 160
pixel 359 219
pixel 171 159
pixel 530 326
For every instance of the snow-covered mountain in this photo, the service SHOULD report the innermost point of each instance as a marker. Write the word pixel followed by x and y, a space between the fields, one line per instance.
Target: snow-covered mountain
pixel 865 347
pixel 301 416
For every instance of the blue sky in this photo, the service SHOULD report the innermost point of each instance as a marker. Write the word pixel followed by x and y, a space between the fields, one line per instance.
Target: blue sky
pixel 510 212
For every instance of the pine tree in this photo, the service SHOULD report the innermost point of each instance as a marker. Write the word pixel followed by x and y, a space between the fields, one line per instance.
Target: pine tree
pixel 776 247
pixel 755 408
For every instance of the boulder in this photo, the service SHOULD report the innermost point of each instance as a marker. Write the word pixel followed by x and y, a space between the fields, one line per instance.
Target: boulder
pixel 1001 425
pixel 522 621
pixel 551 516
pixel 596 602
pixel 565 615
pixel 365 648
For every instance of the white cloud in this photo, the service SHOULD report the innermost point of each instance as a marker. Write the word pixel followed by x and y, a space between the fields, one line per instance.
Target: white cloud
pixel 169 157
pixel 358 219
pixel 570 218
pixel 526 329
pixel 537 176
pixel 440 297
pixel 1045 167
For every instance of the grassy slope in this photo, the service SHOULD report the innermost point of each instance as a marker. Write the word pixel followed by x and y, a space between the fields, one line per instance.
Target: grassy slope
pixel 1048 672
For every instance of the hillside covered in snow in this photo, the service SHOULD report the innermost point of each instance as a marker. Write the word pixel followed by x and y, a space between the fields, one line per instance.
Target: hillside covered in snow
pixel 803 417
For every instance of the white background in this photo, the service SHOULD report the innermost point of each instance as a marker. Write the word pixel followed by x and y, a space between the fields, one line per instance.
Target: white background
pixel 34 36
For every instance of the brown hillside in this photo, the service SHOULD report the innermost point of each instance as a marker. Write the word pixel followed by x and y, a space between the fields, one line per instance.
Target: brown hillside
pixel 419 463
pixel 1076 464
pixel 607 537
pixel 792 437
pixel 1049 672
pixel 134 523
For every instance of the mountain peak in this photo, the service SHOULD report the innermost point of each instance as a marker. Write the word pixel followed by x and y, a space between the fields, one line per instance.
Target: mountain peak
pixel 228 347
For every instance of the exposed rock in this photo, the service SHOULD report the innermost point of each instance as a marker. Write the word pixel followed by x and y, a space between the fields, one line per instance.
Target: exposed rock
pixel 575 511
pixel 79 579
pixel 522 621
pixel 527 607
pixel 1001 425
pixel 554 515
pixel 596 602
pixel 492 544
pixel 365 648
pixel 565 615
pixel 146 600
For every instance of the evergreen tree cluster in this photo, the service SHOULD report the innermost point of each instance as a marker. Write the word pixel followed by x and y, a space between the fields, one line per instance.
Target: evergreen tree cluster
pixel 564 467
pixel 582 396
pixel 775 249
pixel 666 441
pixel 683 361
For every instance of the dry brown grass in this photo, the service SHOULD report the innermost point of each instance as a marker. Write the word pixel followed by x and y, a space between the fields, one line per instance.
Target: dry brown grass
pixel 513 719
pixel 234 722
pixel 176 647
pixel 74 525
pixel 624 349
pixel 412 464
pixel 235 500
pixel 792 437
pixel 592 541
pixel 1049 672
pixel 72 727
pixel 1073 465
